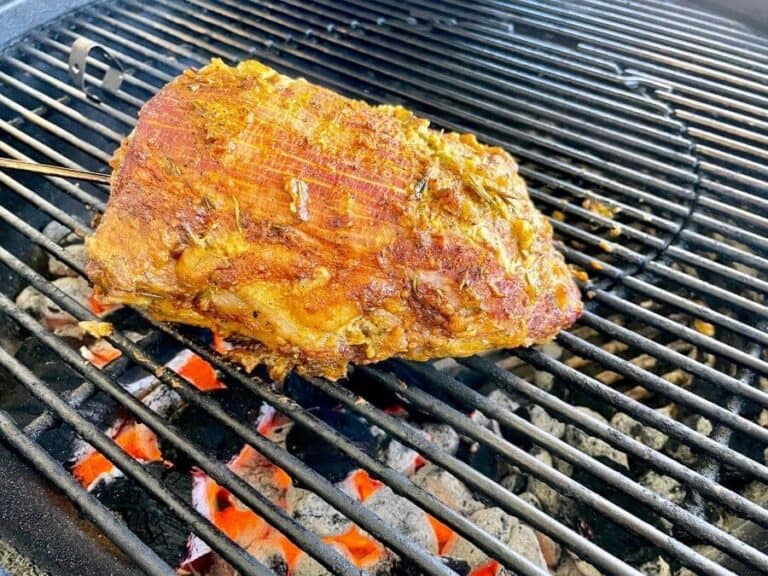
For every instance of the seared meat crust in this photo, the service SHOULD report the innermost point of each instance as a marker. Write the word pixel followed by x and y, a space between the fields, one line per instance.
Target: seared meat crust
pixel 312 230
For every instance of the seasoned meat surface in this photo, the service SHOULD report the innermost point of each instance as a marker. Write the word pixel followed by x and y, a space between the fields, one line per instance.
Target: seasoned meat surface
pixel 310 230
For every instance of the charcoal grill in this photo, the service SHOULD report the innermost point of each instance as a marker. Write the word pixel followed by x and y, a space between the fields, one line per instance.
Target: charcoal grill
pixel 642 130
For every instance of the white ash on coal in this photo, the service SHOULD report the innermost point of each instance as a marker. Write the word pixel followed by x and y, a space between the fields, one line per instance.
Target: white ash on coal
pixel 315 514
pixel 405 517
pixel 645 434
pixel 656 567
pixel 76 253
pixel 402 458
pixel 665 486
pixel 514 480
pixel 447 488
pixel 593 446
pixel 548 498
pixel 50 314
pixel 443 436
pixel 502 399
pixel 573 566
pixel 515 534
pixel 551 551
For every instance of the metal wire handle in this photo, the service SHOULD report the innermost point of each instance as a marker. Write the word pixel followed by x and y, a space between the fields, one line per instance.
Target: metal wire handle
pixel 50 170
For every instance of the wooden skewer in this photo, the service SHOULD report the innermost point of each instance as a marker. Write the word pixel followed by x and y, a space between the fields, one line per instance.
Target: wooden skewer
pixel 50 170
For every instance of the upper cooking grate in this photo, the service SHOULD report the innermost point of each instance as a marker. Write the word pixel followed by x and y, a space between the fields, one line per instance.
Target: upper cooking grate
pixel 643 133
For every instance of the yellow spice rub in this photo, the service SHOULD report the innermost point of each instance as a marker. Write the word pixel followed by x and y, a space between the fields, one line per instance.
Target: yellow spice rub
pixel 311 230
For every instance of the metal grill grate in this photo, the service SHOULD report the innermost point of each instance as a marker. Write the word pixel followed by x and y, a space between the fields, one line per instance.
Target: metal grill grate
pixel 642 131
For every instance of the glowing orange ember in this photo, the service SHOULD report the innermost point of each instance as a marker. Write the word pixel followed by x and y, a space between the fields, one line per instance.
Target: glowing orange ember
pixel 240 524
pixel 291 552
pixel 219 344
pixel 249 455
pixel 98 307
pixel 282 480
pixel 446 537
pixel 100 353
pixel 201 374
pixel 363 550
pixel 271 421
pixel 364 484
pixel 135 439
pixel 396 410
pixel 489 569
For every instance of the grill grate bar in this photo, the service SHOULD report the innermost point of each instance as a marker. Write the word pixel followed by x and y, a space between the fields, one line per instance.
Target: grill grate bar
pixel 701 287
pixel 38 120
pixel 427 87
pixel 744 78
pixel 61 107
pixel 510 502
pixel 729 231
pixel 720 112
pixel 145 36
pixel 294 467
pixel 739 177
pixel 749 218
pixel 717 493
pixel 711 23
pixel 686 268
pixel 560 481
pixel 636 409
pixel 199 350
pixel 723 127
pixel 716 87
pixel 422 44
pixel 651 199
pixel 733 160
pixel 697 338
pixel 725 191
pixel 664 270
pixel 651 44
pixel 627 231
pixel 74 191
pixel 188 38
pixel 116 531
pixel 667 24
pixel 393 479
pixel 45 207
pixel 675 358
pixel 48 151
pixel 724 250
pixel 297 413
pixel 70 91
pixel 200 525
pixel 681 396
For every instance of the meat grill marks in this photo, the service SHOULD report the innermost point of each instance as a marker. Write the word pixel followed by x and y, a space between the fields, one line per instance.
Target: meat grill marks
pixel 312 230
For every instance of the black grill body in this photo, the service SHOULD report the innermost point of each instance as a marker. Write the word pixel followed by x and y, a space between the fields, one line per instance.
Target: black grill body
pixel 642 131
